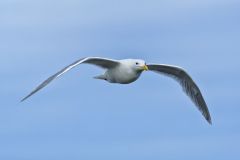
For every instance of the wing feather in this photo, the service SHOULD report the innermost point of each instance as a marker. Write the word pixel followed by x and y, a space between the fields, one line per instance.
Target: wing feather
pixel 188 85
pixel 101 62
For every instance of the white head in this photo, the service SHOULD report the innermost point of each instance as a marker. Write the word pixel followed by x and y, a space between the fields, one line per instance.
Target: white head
pixel 136 64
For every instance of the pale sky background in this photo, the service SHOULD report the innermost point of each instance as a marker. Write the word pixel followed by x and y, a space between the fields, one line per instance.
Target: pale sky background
pixel 77 117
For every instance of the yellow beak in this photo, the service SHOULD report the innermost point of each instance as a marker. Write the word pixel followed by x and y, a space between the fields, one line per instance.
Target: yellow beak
pixel 145 67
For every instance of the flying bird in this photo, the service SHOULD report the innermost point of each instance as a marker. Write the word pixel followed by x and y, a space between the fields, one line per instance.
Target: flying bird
pixel 129 70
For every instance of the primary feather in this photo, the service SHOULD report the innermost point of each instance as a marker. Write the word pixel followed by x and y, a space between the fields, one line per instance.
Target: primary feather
pixel 188 85
pixel 101 62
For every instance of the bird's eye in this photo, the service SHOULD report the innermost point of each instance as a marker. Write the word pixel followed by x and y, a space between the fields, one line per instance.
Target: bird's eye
pixel 137 63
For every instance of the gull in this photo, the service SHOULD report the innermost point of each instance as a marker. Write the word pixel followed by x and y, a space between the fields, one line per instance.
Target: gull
pixel 129 70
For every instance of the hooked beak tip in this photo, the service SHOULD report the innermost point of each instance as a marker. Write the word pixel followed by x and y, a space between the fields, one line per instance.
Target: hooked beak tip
pixel 145 68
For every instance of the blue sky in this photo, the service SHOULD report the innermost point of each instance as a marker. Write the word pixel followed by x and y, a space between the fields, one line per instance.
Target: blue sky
pixel 77 117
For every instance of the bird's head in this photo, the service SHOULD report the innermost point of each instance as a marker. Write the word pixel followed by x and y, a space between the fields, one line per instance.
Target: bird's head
pixel 137 64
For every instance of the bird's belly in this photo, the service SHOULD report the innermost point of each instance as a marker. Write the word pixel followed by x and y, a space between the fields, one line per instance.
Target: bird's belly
pixel 122 77
pixel 125 80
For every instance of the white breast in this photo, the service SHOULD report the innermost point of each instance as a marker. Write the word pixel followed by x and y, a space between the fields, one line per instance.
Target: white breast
pixel 123 74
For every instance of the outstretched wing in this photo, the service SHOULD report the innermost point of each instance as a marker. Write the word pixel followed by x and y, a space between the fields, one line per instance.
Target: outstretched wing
pixel 188 85
pixel 101 62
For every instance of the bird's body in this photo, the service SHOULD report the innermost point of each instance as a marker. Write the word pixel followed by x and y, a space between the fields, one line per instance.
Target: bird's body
pixel 124 73
pixel 129 70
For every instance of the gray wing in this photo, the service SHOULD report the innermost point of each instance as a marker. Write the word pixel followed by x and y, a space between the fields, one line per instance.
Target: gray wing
pixel 101 62
pixel 188 85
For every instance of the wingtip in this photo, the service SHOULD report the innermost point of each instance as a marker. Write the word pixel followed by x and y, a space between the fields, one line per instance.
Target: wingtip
pixel 209 120
pixel 24 99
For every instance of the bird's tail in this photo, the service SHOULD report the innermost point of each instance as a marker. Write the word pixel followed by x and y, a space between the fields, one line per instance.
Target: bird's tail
pixel 102 77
